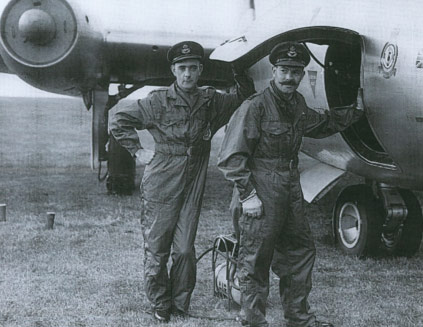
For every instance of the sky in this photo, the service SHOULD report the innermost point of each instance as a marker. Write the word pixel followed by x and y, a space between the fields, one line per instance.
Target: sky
pixel 13 86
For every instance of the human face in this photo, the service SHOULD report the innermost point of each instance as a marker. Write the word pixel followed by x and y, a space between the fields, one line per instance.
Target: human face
pixel 187 73
pixel 287 78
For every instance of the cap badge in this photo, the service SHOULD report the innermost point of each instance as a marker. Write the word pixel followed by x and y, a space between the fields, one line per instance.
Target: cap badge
pixel 186 49
pixel 292 52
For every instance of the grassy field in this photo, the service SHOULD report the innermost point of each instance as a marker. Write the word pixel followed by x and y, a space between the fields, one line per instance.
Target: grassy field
pixel 87 271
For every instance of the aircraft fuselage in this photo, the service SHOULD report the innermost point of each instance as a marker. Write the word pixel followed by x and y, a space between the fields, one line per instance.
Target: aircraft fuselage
pixel 377 46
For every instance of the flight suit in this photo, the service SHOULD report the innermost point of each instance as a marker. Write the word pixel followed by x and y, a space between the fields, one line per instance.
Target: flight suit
pixel 182 125
pixel 259 152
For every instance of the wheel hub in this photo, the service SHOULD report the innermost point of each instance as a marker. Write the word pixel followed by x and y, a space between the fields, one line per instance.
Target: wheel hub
pixel 349 225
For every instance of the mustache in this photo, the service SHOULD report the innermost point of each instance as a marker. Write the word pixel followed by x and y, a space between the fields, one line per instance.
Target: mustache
pixel 290 83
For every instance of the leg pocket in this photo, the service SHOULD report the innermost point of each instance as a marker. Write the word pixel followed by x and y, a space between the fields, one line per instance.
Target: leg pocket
pixel 251 230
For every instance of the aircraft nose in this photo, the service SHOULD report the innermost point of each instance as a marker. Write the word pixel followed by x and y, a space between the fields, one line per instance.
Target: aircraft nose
pixel 37 27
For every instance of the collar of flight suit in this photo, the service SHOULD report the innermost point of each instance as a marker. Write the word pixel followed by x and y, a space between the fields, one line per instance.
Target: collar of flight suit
pixel 298 107
pixel 203 97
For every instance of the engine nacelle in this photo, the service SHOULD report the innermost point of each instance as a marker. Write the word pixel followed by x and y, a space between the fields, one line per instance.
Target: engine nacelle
pixel 52 45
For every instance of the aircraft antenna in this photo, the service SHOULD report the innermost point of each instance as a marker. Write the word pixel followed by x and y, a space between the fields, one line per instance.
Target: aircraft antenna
pixel 253 8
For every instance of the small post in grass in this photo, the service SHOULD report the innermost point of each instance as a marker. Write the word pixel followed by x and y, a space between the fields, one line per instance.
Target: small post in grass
pixel 50 220
pixel 2 212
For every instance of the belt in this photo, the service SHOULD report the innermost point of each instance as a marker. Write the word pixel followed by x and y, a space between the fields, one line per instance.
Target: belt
pixel 293 164
pixel 279 164
pixel 182 149
pixel 285 164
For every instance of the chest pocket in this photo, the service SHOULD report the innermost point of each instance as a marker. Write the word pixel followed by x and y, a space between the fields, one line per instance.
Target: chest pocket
pixel 170 124
pixel 275 139
pixel 173 116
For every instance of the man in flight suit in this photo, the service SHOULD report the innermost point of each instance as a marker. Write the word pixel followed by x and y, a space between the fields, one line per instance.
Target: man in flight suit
pixel 260 155
pixel 182 120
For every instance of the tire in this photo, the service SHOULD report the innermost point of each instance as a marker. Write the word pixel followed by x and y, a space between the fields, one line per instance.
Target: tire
pixel 357 221
pixel 411 236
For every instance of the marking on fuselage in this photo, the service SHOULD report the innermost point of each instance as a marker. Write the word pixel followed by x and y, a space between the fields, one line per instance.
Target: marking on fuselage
pixel 419 59
pixel 312 75
pixel 388 59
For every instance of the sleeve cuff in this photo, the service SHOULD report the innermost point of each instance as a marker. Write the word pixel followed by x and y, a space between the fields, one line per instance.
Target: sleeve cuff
pixel 251 195
pixel 134 151
pixel 246 193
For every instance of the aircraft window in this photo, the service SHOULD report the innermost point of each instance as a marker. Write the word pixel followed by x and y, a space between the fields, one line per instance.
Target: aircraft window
pixel 313 56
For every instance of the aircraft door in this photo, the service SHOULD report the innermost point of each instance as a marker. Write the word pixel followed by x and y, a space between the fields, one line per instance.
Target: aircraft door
pixel 342 73
pixel 343 77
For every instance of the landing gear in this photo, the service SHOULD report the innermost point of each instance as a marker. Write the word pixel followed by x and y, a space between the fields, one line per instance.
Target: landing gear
pixel 120 177
pixel 412 229
pixel 380 220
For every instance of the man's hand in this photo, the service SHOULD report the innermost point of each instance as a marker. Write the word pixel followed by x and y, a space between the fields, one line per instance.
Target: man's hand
pixel 252 206
pixel 238 68
pixel 360 103
pixel 144 156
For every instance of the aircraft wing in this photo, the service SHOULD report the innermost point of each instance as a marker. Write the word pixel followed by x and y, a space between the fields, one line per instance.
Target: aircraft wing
pixel 64 47
pixel 132 59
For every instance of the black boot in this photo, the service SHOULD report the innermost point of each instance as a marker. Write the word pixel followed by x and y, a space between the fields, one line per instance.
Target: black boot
pixel 179 313
pixel 161 316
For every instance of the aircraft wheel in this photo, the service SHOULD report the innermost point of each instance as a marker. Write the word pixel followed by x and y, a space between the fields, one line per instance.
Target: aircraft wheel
pixel 411 235
pixel 357 221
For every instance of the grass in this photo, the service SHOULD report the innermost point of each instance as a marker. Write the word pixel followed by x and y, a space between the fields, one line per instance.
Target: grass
pixel 87 271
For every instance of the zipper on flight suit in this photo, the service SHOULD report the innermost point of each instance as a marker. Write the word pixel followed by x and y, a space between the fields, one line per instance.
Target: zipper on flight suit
pixel 188 135
pixel 291 141
pixel 297 140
